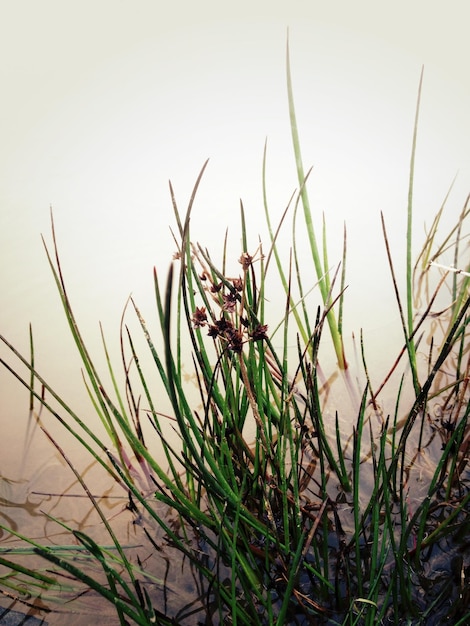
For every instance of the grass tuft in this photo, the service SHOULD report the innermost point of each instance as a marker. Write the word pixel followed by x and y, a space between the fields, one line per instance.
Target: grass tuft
pixel 278 510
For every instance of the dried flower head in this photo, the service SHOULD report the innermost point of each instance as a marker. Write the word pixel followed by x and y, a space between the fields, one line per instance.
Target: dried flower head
pixel 216 287
pixel 230 301
pixel 199 317
pixel 213 331
pixel 235 340
pixel 259 332
pixel 245 260
pixel 220 327
pixel 238 284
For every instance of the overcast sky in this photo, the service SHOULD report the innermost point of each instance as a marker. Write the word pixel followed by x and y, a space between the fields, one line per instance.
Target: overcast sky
pixel 104 101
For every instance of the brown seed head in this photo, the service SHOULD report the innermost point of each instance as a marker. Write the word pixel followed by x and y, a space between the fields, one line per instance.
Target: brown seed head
pixel 199 317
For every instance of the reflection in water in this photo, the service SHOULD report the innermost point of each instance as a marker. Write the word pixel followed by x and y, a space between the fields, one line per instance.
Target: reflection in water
pixel 35 508
pixel 52 493
pixel 18 507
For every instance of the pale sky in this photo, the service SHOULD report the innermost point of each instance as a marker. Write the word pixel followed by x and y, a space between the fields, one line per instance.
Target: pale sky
pixel 104 101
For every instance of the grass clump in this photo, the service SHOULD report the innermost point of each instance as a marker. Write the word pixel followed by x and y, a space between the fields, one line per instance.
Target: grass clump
pixel 277 513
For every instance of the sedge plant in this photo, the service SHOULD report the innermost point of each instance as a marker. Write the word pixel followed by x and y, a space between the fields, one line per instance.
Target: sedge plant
pixel 276 513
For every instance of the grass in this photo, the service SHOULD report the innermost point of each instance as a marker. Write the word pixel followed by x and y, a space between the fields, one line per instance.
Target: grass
pixel 277 513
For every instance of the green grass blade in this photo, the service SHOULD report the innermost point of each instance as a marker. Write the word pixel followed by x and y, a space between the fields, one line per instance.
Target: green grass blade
pixel 322 272
pixel 409 241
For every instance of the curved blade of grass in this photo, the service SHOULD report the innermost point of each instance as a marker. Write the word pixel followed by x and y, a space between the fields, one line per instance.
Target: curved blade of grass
pixel 320 271
pixel 409 260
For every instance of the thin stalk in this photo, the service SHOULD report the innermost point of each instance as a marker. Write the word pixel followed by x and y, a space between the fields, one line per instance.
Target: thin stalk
pixel 320 271
pixel 409 341
pixel 358 530
pixel 409 241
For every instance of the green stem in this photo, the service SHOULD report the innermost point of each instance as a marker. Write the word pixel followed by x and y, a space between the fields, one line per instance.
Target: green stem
pixel 319 269
pixel 409 233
